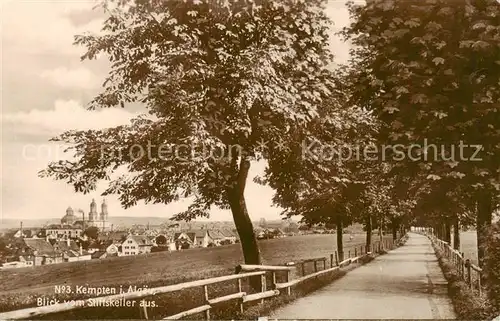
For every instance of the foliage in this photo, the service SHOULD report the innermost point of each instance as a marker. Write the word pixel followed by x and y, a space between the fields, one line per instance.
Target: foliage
pixel 92 232
pixel 215 74
pixel 492 266
pixel 425 80
pixel 161 240
pixel 429 71
pixel 219 79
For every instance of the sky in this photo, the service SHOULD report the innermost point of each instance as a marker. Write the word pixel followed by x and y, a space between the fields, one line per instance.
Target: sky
pixel 45 89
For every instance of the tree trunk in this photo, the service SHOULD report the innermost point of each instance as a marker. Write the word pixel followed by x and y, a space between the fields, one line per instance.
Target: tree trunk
pixel 394 231
pixel 369 233
pixel 483 222
pixel 447 231
pixel 242 221
pixel 380 233
pixel 456 234
pixel 340 239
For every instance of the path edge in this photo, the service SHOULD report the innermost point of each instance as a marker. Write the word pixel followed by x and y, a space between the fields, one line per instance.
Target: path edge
pixel 467 306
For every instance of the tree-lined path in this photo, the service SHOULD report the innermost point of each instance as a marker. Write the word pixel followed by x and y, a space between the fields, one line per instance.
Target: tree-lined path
pixel 406 283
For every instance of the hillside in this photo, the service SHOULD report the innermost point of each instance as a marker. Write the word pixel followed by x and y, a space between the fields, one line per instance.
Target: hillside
pixel 117 221
pixel 129 221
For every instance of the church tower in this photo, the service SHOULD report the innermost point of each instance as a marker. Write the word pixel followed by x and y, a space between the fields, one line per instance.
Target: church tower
pixel 104 211
pixel 93 211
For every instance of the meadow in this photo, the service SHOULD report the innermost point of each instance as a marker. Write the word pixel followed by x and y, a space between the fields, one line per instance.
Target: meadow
pixel 468 245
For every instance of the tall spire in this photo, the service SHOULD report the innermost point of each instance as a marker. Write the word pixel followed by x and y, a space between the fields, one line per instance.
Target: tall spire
pixel 93 211
pixel 104 210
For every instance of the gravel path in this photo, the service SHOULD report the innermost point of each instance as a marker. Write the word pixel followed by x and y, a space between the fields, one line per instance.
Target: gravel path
pixel 406 283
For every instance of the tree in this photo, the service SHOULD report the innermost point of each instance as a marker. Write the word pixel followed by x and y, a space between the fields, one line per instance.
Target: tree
pixel 492 268
pixel 263 223
pixel 429 70
pixel 92 232
pixel 161 240
pixel 218 77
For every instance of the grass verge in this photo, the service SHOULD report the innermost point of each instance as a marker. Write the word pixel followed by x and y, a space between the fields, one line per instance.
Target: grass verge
pixel 468 305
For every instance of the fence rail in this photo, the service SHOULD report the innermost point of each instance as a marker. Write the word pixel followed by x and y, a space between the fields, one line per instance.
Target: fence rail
pixel 243 271
pixel 469 272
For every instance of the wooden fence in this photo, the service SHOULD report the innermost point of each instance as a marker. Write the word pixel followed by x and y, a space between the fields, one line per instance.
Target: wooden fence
pixel 468 271
pixel 244 272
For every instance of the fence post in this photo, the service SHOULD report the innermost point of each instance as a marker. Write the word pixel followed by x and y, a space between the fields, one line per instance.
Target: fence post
pixel 336 259
pixel 239 291
pixel 303 269
pixel 355 252
pixel 273 285
pixel 144 310
pixel 263 282
pixel 479 282
pixel 315 266
pixel 462 263
pixel 288 289
pixel 207 313
pixel 349 254
pixel 324 263
pixel 469 276
pixel 331 260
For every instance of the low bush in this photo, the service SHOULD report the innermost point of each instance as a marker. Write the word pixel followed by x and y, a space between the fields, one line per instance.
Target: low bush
pixel 492 266
pixel 468 305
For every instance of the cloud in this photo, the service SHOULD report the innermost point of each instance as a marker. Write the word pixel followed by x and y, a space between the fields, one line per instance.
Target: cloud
pixel 42 27
pixel 71 78
pixel 66 115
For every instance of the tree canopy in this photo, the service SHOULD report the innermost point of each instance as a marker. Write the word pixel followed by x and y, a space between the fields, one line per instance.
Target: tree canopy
pixel 219 79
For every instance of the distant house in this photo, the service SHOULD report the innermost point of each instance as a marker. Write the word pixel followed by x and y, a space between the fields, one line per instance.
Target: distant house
pixel 113 249
pixel 278 233
pixel 260 233
pixel 71 252
pixel 230 235
pixel 38 252
pixel 94 246
pixel 25 233
pixel 136 244
pixel 194 238
pixel 99 255
pixel 217 236
pixel 116 236
pixel 171 246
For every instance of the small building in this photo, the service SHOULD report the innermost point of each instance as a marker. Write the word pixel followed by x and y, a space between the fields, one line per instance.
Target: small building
pixel 230 235
pixel 99 255
pixel 39 252
pixel 27 233
pixel 217 237
pixel 113 249
pixel 136 244
pixel 193 238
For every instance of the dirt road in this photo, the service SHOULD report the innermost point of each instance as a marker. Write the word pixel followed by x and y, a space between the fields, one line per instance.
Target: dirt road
pixel 406 283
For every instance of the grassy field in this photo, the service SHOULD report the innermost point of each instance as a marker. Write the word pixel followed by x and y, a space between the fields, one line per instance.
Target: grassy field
pixel 468 245
pixel 21 287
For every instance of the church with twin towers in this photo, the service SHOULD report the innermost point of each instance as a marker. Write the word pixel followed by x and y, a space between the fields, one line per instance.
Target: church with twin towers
pixel 99 220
